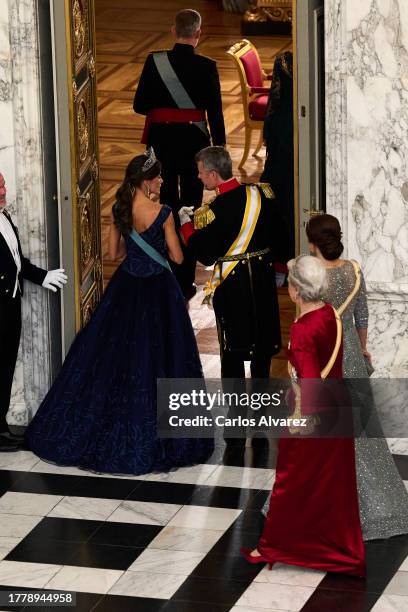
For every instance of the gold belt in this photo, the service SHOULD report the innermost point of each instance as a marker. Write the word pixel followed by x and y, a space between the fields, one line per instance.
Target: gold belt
pixel 240 256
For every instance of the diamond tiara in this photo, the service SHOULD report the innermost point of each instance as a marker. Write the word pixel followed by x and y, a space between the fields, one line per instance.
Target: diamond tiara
pixel 150 159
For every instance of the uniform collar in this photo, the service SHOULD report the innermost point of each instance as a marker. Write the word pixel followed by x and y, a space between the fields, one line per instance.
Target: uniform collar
pixel 184 48
pixel 229 185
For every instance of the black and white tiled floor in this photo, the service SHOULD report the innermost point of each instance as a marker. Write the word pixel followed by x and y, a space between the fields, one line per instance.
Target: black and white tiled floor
pixel 170 542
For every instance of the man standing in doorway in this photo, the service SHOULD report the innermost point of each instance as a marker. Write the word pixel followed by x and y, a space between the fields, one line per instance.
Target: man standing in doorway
pixel 179 91
pixel 239 232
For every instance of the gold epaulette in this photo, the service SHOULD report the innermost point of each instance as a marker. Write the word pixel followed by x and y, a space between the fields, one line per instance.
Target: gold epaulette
pixel 267 190
pixel 203 216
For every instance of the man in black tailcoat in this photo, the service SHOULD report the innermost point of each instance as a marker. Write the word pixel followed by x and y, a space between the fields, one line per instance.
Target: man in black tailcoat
pixel 179 92
pixel 14 267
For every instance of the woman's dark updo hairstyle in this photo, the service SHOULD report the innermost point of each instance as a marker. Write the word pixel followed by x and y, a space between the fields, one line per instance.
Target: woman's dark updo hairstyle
pixel 134 177
pixel 324 232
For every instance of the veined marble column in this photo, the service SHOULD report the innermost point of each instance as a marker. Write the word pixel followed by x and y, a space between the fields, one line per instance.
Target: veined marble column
pixel 367 159
pixel 21 164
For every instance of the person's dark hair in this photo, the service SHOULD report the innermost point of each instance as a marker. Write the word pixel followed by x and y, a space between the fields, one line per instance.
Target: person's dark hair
pixel 134 177
pixel 324 231
pixel 187 23
pixel 217 159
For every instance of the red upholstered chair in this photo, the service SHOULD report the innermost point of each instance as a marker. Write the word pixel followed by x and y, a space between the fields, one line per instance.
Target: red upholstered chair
pixel 254 94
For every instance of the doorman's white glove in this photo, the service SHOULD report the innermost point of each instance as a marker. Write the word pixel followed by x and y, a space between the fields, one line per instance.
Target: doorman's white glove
pixel 185 213
pixel 55 279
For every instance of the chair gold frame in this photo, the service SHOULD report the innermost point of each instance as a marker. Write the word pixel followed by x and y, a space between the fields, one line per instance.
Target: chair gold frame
pixel 236 52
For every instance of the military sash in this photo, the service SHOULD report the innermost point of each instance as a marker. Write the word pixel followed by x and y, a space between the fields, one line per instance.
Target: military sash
pixel 175 86
pixel 240 244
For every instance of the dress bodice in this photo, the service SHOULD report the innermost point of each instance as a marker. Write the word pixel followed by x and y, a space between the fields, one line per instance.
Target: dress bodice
pixel 312 341
pixel 341 283
pixel 137 262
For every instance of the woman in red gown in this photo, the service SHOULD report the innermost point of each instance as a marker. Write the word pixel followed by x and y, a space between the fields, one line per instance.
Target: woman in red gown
pixel 313 519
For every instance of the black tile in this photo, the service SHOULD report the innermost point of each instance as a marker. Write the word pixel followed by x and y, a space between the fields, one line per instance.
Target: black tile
pixel 249 520
pixel 33 550
pixel 401 461
pixel 49 484
pixel 232 541
pixel 163 492
pixel 125 534
pixel 64 529
pixel 108 488
pixel 119 603
pixel 84 602
pixel 195 606
pixel 227 568
pixel 227 497
pixel 323 600
pixel 14 589
pixel 210 591
pixel 105 557
pixel 9 477
pixel 383 562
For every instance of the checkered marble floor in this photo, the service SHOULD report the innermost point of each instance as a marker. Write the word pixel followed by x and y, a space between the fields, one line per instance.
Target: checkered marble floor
pixel 170 542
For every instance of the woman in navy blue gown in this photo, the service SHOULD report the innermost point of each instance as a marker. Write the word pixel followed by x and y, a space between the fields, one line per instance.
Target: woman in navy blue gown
pixel 100 413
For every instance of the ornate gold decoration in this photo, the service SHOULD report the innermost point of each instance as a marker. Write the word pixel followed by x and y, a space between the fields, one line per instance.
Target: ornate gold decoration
pixel 267 190
pixel 203 216
pixel 95 168
pixel 269 10
pixel 98 269
pixel 79 24
pixel 86 230
pixel 74 89
pixel 83 131
pixel 91 66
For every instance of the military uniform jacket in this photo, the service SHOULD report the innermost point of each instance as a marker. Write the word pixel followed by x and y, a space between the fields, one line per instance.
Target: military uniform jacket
pixel 199 76
pixel 245 303
pixel 8 267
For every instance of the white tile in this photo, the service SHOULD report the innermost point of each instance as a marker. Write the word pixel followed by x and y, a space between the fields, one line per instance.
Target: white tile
pixel 196 474
pixel 275 596
pixel 147 584
pixel 289 574
pixel 404 566
pixel 391 603
pixel 144 513
pixel 20 574
pixel 251 609
pixel 89 508
pixel 246 478
pixel 191 540
pixel 202 318
pixel 32 504
pixel 202 517
pixel 51 468
pixel 211 365
pixel 167 561
pixel 18 461
pixel 398 584
pixel 84 579
pixel 17 525
pixel 7 545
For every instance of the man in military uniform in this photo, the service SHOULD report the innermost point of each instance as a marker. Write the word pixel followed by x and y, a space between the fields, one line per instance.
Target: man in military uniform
pixel 178 92
pixel 240 232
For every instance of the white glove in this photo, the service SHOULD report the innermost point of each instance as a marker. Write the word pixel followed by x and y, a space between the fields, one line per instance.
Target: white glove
pixel 185 213
pixel 55 279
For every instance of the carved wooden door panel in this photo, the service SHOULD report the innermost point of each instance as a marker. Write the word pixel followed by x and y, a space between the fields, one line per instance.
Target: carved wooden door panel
pixel 88 276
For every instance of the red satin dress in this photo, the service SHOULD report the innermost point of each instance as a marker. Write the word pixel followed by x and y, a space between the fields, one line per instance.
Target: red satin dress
pixel 313 518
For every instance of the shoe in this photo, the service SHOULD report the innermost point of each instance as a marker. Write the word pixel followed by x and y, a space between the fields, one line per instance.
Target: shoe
pixel 246 552
pixel 12 436
pixel 8 446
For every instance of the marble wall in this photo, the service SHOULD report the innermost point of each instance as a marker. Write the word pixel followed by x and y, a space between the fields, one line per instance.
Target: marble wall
pixel 21 164
pixel 367 159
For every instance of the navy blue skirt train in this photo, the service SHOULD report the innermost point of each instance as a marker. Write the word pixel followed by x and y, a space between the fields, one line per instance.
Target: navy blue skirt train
pixel 100 413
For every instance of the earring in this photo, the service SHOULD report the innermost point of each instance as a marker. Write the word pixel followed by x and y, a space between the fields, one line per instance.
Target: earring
pixel 148 190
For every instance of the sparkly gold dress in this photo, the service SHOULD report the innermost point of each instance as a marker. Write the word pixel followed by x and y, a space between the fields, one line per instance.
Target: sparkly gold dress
pixel 383 499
